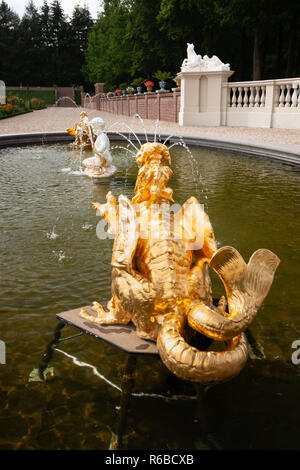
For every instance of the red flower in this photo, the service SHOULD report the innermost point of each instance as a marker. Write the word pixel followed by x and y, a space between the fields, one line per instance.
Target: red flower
pixel 149 83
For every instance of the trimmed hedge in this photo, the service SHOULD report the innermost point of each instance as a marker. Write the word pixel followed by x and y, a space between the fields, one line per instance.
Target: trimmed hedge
pixel 78 97
pixel 48 96
pixel 5 115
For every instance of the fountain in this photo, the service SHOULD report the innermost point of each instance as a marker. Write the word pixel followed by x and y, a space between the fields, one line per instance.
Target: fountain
pixel 161 281
pixel 47 253
pixel 100 166
pixel 84 137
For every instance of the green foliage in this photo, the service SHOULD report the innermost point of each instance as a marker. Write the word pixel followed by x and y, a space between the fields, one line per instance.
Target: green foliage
pixel 14 112
pixel 78 97
pixel 108 50
pixel 162 76
pixel 37 104
pixel 137 82
pixel 48 96
pixel 134 38
pixel 44 47
pixel 9 23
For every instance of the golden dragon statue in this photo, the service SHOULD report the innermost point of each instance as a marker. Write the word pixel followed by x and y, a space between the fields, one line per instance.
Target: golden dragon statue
pixel 161 280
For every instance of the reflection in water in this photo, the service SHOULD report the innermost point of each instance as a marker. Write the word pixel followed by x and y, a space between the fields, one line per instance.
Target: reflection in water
pixel 52 260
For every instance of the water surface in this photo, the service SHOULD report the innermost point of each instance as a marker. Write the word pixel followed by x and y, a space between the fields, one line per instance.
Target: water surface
pixel 52 261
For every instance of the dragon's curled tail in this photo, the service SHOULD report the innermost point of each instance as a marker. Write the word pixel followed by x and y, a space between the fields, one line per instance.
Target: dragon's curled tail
pixel 246 286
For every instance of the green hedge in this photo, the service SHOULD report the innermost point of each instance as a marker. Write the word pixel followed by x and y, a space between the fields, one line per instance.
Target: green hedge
pixel 78 97
pixel 4 115
pixel 48 96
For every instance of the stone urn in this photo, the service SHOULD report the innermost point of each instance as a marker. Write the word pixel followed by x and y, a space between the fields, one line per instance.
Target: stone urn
pixel 163 85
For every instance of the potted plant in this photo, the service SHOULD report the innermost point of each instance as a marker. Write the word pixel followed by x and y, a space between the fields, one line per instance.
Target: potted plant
pixel 177 80
pixel 162 77
pixel 118 92
pixel 138 84
pixel 149 85
pixel 109 95
pixel 123 87
pixel 130 90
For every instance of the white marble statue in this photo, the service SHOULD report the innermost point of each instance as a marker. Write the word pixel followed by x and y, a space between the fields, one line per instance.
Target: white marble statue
pixel 99 166
pixel 195 63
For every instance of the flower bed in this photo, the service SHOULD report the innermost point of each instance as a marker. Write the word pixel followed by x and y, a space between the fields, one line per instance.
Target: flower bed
pixel 16 105
pixel 4 115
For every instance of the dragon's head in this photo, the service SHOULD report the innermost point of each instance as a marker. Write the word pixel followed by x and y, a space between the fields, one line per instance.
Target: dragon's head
pixel 151 184
pixel 153 151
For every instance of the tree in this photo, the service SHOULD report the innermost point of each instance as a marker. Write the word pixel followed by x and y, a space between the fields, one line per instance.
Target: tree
pixel 80 26
pixel 28 46
pixel 108 54
pixel 9 22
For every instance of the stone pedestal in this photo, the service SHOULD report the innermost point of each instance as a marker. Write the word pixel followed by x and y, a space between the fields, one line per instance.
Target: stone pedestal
pixel 99 88
pixel 202 97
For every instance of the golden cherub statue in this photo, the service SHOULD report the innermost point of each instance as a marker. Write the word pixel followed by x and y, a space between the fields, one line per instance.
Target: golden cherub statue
pixel 84 136
pixel 160 276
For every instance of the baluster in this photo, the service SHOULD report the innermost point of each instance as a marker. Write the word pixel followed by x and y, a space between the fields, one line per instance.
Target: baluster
pixel 294 95
pixel 257 97
pixel 263 97
pixel 228 97
pixel 276 96
pixel 288 96
pixel 251 99
pixel 233 97
pixel 282 97
pixel 240 98
pixel 246 99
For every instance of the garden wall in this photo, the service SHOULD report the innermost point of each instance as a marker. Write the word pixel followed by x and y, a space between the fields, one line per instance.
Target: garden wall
pixel 164 106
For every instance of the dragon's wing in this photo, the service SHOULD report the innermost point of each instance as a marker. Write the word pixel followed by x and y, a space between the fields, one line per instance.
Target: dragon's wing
pixel 127 235
pixel 193 224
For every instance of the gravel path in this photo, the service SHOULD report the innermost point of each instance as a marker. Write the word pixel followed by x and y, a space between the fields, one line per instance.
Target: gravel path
pixel 59 119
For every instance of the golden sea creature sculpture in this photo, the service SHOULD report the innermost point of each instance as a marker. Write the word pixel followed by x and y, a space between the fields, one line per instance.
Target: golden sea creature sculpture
pixel 161 280
pixel 83 133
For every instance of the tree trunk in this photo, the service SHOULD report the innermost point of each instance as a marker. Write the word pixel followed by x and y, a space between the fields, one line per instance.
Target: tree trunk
pixel 257 52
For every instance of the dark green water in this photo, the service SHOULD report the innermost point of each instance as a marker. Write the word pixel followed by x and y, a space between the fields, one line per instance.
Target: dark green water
pixel 251 203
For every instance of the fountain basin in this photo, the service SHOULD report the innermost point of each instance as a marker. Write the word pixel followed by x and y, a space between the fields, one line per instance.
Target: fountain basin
pixel 52 258
pixel 289 154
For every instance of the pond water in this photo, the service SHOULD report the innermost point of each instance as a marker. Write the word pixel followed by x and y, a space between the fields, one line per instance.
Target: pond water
pixel 52 261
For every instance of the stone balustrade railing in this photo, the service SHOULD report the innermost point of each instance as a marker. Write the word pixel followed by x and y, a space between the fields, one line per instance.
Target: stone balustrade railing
pixel 266 103
pixel 253 94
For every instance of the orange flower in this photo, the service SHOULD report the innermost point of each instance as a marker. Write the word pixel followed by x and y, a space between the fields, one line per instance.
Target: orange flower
pixel 8 108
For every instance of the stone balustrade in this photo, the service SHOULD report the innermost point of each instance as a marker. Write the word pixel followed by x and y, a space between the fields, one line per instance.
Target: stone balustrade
pixel 265 103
